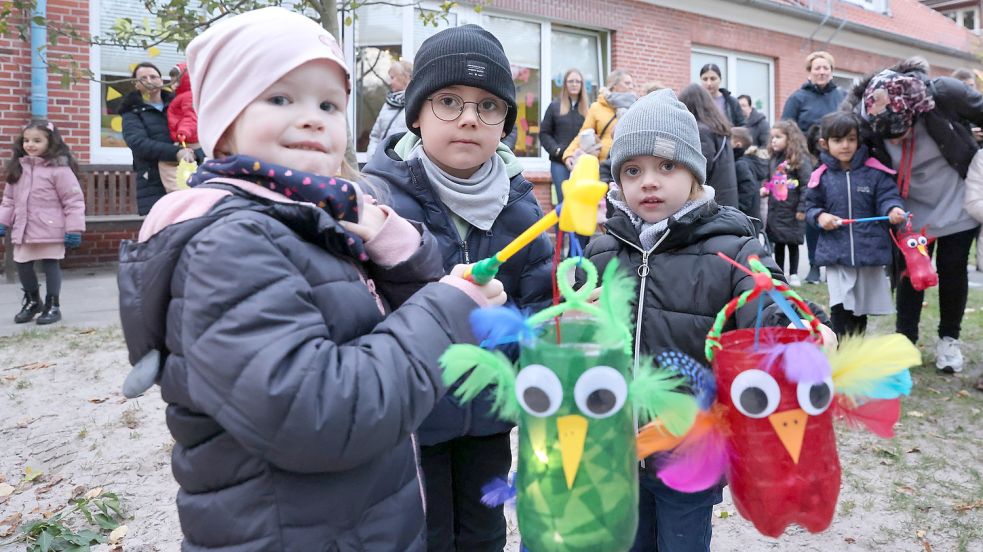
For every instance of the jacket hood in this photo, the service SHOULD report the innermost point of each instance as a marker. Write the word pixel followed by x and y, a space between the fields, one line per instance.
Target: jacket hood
pixel 915 65
pixel 134 101
pixel 755 117
pixel 183 85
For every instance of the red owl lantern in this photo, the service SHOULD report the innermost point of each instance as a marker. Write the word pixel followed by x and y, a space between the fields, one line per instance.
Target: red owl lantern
pixel 914 247
pixel 770 431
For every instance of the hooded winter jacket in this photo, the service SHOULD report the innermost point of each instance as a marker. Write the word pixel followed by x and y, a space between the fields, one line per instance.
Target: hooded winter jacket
pixel 181 115
pixel 44 204
pixel 759 127
pixel 732 109
pixel 807 105
pixel 721 174
pixel 147 135
pixel 526 276
pixel 867 189
pixel 291 399
pixel 752 171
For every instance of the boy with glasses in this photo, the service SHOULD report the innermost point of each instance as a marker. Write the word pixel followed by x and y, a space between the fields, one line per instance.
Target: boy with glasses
pixel 452 173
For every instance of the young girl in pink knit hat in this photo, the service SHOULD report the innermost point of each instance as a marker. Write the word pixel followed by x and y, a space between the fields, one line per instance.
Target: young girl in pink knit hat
pixel 292 324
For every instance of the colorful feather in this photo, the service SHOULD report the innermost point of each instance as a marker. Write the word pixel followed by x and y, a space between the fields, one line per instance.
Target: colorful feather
pixel 500 325
pixel 497 492
pixel 653 394
pixel 617 294
pixel 802 361
pixel 698 376
pixel 489 368
pixel 878 416
pixel 700 460
pixel 868 367
pixel 892 387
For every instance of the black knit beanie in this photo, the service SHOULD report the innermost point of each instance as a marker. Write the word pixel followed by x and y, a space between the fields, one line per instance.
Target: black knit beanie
pixel 467 56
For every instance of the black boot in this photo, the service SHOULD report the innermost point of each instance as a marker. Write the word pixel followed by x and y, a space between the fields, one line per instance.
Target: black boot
pixel 51 313
pixel 813 276
pixel 30 306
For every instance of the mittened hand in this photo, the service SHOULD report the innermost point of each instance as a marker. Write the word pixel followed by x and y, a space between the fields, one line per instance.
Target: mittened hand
pixel 73 239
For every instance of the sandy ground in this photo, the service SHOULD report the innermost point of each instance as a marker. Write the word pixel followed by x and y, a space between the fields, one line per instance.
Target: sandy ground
pixel 61 413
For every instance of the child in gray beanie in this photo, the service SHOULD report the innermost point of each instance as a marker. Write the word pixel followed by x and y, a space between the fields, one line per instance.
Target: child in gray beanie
pixel 667 224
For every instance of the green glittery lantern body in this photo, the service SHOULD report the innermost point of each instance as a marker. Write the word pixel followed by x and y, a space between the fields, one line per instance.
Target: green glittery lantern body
pixel 591 503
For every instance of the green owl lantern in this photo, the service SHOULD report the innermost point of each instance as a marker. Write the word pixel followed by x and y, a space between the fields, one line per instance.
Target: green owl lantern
pixel 576 401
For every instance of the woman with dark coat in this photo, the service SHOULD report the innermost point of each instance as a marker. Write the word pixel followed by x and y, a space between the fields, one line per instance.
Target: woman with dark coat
pixel 727 103
pixel 818 96
pixel 560 125
pixel 914 126
pixel 147 135
pixel 714 142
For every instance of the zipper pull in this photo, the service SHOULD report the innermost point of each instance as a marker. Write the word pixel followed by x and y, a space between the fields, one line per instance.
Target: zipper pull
pixel 464 249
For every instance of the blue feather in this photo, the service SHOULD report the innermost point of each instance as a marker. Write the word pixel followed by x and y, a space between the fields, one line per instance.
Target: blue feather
pixel 698 376
pixel 499 325
pixel 497 492
pixel 892 387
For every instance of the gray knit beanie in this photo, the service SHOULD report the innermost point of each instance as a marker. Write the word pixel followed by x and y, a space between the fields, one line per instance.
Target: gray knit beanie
pixel 658 125
pixel 467 55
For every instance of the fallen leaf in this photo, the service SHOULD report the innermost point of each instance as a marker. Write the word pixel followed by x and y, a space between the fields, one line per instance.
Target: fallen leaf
pixel 850 540
pixel 49 485
pixel 920 534
pixel 914 450
pixel 24 422
pixel 78 491
pixel 93 493
pixel 967 506
pixel 117 535
pixel 723 514
pixel 915 414
pixel 906 490
pixel 9 378
pixel 34 366
pixel 963 393
pixel 6 489
pixel 30 474
pixel 12 522
pixel 87 332
pixel 98 400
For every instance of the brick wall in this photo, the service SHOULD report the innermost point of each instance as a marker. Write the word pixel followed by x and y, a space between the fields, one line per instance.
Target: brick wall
pixel 100 243
pixel 68 107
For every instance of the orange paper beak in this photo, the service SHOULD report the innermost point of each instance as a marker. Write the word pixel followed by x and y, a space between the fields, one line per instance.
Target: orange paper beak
pixel 790 426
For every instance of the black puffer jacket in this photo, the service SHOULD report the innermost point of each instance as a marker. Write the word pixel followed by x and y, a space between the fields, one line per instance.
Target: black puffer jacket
pixel 687 283
pixel 526 276
pixel 732 108
pixel 955 103
pixel 721 175
pixel 759 127
pixel 290 398
pixel 782 226
pixel 146 134
pixel 752 171
pixel 557 131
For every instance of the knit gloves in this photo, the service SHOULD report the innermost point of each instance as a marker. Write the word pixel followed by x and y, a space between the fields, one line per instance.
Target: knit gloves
pixel 73 239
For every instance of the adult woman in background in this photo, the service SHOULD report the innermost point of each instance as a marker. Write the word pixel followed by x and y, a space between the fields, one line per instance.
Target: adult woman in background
pixel 562 122
pixel 602 116
pixel 710 78
pixel 715 143
pixel 392 117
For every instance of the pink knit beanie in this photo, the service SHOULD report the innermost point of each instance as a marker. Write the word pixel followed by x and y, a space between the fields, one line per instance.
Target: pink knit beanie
pixel 232 63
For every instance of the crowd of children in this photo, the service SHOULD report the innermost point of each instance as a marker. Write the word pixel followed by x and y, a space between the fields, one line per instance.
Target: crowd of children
pixel 292 309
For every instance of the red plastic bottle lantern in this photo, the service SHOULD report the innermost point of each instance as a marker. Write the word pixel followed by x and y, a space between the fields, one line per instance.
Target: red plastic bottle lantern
pixel 914 247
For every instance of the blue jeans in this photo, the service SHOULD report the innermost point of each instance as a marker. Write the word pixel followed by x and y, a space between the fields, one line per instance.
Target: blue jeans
pixel 559 172
pixel 671 521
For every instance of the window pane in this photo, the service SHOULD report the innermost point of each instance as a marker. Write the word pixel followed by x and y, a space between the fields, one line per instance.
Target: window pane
pixel 752 79
pixel 969 19
pixel 377 25
pixel 574 51
pixel 371 86
pixel 699 59
pixel 523 50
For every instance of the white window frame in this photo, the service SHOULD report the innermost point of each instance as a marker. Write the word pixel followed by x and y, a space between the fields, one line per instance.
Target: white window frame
pixel 958 14
pixel 879 6
pixel 733 82
pixel 99 155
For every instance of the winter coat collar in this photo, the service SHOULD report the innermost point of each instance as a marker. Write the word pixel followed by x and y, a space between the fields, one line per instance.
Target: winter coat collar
pixel 755 117
pixel 134 101
pixel 28 161
pixel 860 159
pixel 698 225
pixel 809 86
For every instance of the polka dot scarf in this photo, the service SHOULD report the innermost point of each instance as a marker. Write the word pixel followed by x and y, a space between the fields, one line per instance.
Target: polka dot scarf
pixel 336 196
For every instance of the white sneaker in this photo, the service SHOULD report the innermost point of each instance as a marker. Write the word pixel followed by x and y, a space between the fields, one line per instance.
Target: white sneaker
pixel 948 357
pixel 794 281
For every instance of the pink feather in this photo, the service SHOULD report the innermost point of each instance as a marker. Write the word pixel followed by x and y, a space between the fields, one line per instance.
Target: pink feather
pixel 801 360
pixel 698 463
pixel 879 416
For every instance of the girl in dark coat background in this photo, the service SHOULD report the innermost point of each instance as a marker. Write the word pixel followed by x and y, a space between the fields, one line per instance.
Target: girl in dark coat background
pixel 560 125
pixel 786 209
pixel 715 143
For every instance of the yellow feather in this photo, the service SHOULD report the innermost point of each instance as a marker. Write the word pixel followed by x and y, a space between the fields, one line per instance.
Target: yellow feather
pixel 861 363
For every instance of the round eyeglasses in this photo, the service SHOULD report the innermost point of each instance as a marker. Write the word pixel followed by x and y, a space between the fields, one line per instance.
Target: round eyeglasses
pixel 448 107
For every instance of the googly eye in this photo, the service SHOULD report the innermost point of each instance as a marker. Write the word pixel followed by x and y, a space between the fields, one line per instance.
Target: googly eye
pixel 912 243
pixel 815 397
pixel 600 392
pixel 922 240
pixel 538 390
pixel 755 393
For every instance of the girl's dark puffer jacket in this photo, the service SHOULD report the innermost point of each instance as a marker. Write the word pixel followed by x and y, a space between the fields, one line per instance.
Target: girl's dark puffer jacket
pixel 781 226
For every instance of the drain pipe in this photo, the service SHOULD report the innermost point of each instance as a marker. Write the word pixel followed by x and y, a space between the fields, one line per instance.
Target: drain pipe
pixel 39 70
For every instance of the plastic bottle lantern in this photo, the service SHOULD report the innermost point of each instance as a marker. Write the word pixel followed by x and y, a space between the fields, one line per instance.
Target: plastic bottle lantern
pixel 574 400
pixel 770 431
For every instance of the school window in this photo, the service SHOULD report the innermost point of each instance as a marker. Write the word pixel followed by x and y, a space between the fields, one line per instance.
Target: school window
pixel 113 66
pixel 846 80
pixel 742 74
pixel 574 49
pixel 879 6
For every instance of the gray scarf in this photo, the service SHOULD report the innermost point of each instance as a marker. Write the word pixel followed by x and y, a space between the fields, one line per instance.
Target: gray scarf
pixel 620 101
pixel 649 232
pixel 479 199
